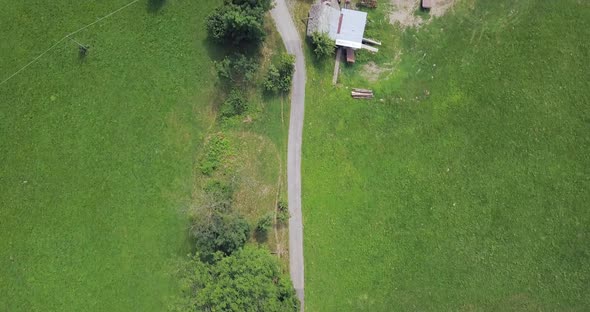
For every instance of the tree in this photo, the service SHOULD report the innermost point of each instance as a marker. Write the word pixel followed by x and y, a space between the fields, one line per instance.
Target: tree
pixel 238 21
pixel 248 280
pixel 322 44
pixel 278 78
pixel 221 232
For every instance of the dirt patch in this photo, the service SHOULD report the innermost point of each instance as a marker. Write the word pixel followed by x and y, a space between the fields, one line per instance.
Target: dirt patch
pixel 373 72
pixel 441 7
pixel 404 12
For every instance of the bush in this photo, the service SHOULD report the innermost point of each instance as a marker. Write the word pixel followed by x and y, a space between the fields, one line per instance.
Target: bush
pixel 322 45
pixel 278 78
pixel 283 212
pixel 218 196
pixel 264 224
pixel 235 104
pixel 238 69
pixel 216 148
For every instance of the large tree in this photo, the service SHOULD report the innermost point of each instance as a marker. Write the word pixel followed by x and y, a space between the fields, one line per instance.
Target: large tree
pixel 248 280
pixel 220 232
pixel 238 21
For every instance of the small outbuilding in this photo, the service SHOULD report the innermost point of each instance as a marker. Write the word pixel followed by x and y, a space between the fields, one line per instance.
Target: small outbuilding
pixel 346 27
pixel 426 4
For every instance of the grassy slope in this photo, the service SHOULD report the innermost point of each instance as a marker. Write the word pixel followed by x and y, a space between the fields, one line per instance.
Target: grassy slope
pixel 473 198
pixel 257 148
pixel 96 156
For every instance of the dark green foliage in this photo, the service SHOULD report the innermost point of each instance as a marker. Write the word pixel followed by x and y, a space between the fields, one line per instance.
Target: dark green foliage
pixel 248 280
pixel 278 78
pixel 238 22
pixel 264 224
pixel 237 69
pixel 221 232
pixel 265 5
pixel 322 45
pixel 282 212
pixel 235 104
pixel 272 80
pixel 216 148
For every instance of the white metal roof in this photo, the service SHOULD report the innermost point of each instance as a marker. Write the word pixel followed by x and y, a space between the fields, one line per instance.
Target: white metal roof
pixel 352 29
pixel 345 26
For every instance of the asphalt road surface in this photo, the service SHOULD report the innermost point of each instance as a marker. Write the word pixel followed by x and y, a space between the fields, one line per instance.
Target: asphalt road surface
pixel 288 32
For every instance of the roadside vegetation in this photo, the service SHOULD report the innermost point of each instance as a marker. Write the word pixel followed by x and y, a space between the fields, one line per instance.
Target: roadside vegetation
pixel 463 185
pixel 231 267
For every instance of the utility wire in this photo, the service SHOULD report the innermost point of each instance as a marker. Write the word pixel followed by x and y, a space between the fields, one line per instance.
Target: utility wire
pixel 66 37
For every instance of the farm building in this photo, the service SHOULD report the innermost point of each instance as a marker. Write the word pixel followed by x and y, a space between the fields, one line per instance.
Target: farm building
pixel 346 27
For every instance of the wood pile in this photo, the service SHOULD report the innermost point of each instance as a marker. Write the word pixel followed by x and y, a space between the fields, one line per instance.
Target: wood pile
pixel 368 3
pixel 361 93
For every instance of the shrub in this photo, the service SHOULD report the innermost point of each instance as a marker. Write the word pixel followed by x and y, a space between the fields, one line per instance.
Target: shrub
pixel 235 104
pixel 278 78
pixel 216 148
pixel 322 45
pixel 264 224
pixel 282 212
pixel 237 69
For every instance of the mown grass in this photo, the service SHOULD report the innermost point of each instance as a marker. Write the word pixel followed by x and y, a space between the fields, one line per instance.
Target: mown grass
pixel 466 188
pixel 97 154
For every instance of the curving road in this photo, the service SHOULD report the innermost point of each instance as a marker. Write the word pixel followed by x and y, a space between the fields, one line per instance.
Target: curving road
pixel 287 30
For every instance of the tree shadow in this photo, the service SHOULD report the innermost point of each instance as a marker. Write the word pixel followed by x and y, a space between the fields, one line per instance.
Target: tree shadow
pixel 261 236
pixel 154 6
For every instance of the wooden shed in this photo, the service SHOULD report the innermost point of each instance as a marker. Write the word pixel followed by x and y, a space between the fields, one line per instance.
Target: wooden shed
pixel 426 4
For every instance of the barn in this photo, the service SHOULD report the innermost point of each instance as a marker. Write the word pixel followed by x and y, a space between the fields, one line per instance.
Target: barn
pixel 346 27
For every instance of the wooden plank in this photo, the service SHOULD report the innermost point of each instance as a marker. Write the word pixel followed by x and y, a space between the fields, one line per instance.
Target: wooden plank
pixel 362 90
pixel 370 48
pixel 371 41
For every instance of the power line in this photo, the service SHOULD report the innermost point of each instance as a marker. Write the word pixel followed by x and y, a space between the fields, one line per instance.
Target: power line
pixel 64 38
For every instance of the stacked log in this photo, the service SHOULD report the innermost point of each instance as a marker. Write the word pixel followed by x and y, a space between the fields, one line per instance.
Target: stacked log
pixel 368 3
pixel 362 93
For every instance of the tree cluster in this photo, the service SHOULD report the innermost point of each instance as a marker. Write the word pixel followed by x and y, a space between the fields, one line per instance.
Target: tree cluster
pixel 238 21
pixel 278 79
pixel 248 280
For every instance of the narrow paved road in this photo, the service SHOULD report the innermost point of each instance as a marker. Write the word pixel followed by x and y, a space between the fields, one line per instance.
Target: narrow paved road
pixel 288 32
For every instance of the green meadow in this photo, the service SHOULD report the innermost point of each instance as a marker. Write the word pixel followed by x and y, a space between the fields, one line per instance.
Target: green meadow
pixel 97 153
pixel 464 185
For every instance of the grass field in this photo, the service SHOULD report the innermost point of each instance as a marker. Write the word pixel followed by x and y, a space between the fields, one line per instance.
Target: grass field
pixel 97 154
pixel 467 187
